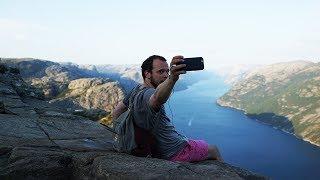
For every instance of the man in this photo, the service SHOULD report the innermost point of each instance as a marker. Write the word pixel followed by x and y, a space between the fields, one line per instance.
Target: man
pixel 159 81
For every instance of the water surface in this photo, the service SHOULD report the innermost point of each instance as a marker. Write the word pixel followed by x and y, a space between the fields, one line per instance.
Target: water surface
pixel 243 142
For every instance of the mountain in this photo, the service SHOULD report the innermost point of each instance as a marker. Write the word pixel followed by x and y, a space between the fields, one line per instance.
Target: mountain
pixel 233 72
pixel 89 90
pixel 284 95
pixel 51 77
pixel 39 140
pixel 132 72
pixel 79 88
pixel 91 93
pixel 128 75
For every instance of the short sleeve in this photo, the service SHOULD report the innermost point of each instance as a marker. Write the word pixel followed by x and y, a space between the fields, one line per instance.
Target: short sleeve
pixel 127 97
pixel 146 98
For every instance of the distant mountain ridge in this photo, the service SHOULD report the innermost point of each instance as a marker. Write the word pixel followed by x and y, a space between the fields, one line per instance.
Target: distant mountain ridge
pixel 125 71
pixel 285 95
pixel 233 73
pixel 64 84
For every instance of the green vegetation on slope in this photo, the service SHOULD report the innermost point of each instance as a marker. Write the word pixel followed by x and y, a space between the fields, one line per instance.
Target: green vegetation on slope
pixel 296 97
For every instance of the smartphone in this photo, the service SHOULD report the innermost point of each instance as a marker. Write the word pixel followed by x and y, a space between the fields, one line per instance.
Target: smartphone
pixel 193 64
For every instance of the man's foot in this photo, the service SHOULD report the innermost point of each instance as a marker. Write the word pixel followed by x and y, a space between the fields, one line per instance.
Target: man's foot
pixel 213 153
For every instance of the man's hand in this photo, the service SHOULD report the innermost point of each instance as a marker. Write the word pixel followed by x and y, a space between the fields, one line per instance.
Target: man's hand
pixel 120 108
pixel 175 70
pixel 164 89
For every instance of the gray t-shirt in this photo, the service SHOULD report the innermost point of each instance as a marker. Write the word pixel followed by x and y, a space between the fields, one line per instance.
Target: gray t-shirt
pixel 168 140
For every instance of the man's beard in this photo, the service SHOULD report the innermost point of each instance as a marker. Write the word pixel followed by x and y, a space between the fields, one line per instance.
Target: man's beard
pixel 154 83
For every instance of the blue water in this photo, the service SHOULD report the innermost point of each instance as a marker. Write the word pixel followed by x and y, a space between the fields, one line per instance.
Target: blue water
pixel 242 141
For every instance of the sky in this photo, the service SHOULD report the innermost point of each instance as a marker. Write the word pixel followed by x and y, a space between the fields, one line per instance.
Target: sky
pixel 127 32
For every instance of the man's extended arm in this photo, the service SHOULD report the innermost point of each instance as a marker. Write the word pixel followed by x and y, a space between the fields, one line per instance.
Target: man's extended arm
pixel 163 91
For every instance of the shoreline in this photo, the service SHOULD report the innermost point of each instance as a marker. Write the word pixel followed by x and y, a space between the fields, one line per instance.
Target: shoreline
pixel 271 125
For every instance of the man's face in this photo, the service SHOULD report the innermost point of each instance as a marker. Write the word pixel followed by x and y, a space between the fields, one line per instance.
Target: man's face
pixel 159 73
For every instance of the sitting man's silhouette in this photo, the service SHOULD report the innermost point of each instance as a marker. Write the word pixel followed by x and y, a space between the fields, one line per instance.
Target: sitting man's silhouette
pixel 159 81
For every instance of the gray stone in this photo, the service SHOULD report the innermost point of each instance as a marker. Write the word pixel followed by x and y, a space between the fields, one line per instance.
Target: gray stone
pixel 131 167
pixel 86 144
pixel 20 127
pixel 2 109
pixel 38 163
pixel 58 128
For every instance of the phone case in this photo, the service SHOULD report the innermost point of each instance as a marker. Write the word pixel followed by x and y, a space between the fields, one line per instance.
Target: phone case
pixel 193 64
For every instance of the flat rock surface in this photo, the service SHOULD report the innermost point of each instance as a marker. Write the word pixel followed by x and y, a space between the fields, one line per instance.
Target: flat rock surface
pixel 71 147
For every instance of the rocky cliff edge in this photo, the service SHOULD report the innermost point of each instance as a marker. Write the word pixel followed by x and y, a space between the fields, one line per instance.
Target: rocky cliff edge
pixel 42 141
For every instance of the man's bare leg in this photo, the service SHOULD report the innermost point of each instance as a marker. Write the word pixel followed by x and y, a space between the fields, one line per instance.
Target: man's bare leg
pixel 213 153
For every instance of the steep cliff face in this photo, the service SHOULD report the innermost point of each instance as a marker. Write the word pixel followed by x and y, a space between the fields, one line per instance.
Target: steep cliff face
pixel 55 80
pixel 96 93
pixel 41 141
pixel 285 95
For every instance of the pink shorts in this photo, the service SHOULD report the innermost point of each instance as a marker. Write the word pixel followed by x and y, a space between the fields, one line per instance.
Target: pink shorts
pixel 195 150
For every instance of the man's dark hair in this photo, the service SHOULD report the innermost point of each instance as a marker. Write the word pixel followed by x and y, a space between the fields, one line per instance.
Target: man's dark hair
pixel 147 64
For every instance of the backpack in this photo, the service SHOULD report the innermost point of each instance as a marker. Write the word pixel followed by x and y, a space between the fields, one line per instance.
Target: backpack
pixel 129 138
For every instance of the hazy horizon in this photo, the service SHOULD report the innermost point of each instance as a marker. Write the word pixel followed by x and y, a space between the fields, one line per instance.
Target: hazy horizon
pixel 108 32
pixel 168 60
